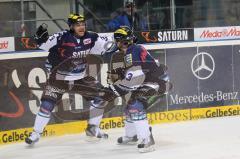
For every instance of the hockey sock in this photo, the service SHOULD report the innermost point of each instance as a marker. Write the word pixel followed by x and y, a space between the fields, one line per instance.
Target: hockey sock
pixel 96 112
pixel 41 121
pixel 142 129
pixel 130 129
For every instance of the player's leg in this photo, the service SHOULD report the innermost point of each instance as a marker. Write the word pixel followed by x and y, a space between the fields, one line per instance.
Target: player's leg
pixel 130 136
pixel 41 120
pixel 90 89
pixel 95 116
pixel 99 104
pixel 50 96
pixel 136 113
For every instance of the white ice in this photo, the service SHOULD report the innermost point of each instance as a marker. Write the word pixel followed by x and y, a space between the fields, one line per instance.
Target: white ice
pixel 217 138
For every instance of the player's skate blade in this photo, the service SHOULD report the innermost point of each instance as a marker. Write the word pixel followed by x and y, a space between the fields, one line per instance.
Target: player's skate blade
pixel 147 146
pixel 146 149
pixel 33 138
pixel 124 140
pixel 93 133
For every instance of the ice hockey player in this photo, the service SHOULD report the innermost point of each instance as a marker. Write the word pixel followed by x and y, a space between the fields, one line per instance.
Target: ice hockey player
pixel 67 63
pixel 144 78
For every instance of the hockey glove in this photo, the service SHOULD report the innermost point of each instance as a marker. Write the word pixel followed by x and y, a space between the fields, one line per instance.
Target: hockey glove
pixel 115 75
pixel 41 35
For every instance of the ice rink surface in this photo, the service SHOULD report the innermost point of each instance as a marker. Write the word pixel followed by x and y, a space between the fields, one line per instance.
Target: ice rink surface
pixel 217 138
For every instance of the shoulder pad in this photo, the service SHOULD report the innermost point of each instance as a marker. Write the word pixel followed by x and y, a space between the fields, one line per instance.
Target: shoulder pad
pixel 92 35
pixel 141 48
pixel 59 35
pixel 137 48
pixel 91 32
pixel 63 32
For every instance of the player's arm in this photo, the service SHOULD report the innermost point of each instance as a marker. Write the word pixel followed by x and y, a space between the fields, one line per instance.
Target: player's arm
pixel 103 44
pixel 128 78
pixel 44 41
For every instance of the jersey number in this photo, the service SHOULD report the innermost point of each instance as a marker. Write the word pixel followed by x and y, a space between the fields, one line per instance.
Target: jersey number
pixel 104 38
pixel 129 76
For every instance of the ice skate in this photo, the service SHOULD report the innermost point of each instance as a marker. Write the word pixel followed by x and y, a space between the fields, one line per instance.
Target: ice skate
pixel 147 145
pixel 33 138
pixel 94 134
pixel 125 140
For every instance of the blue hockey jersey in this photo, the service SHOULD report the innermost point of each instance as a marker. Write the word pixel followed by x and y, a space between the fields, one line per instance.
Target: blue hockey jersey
pixel 67 53
pixel 140 67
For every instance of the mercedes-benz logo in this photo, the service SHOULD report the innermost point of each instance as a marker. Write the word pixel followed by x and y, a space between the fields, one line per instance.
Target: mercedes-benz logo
pixel 202 66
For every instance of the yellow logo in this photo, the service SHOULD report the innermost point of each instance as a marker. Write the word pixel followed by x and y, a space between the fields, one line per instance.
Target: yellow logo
pixel 121 31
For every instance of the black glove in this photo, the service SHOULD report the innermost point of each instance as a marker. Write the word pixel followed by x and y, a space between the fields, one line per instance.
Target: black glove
pixel 115 74
pixel 41 35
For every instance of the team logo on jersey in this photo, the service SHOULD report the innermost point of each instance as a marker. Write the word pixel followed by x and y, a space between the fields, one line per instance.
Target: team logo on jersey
pixel 87 41
pixel 128 60
pixel 79 54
